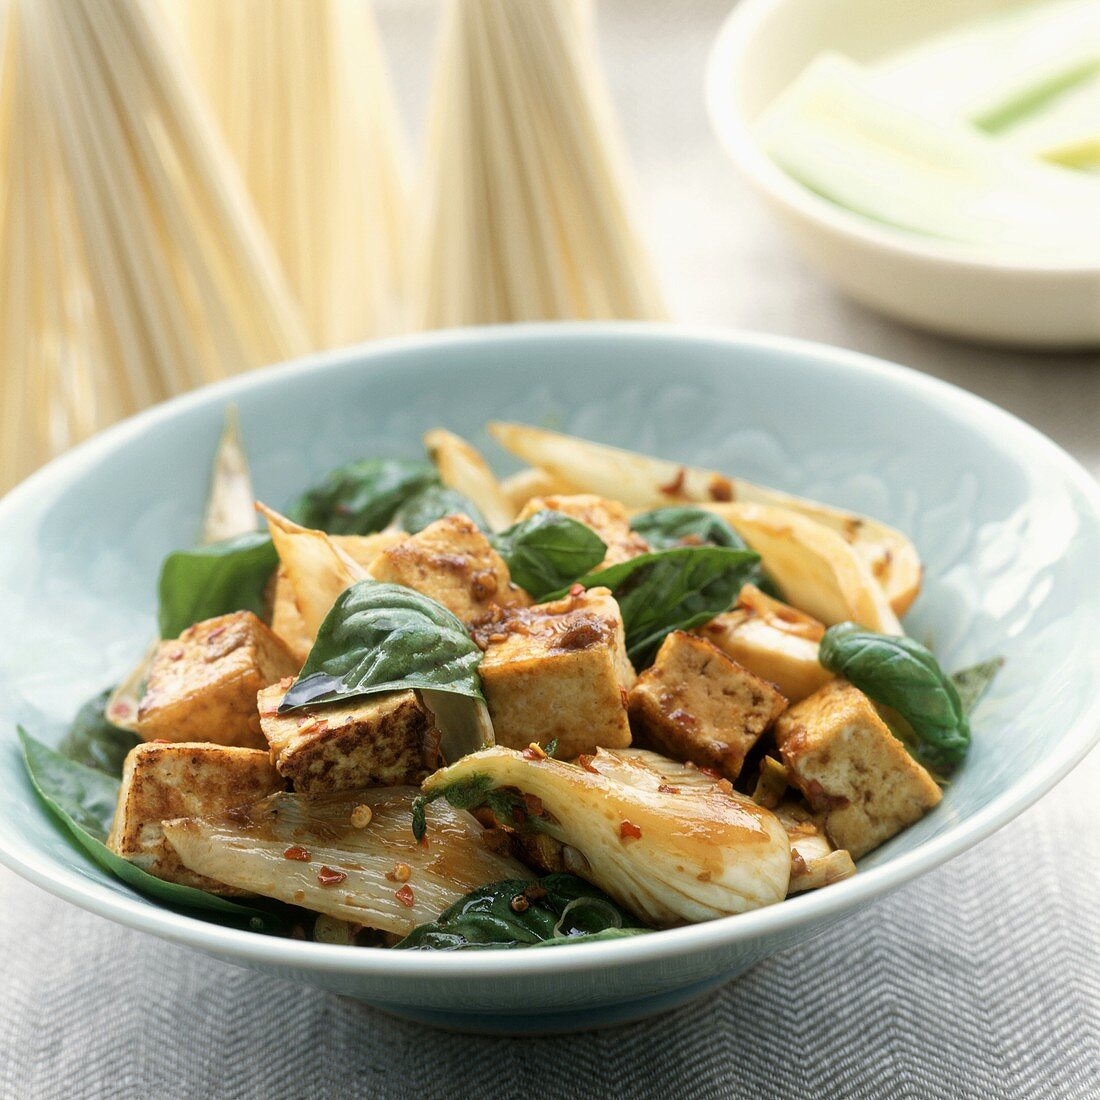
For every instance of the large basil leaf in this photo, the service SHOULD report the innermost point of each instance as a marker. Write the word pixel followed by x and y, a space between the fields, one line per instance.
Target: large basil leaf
pixel 214 580
pixel 548 550
pixel 361 497
pixel 434 502
pixel 94 741
pixel 972 683
pixel 84 800
pixel 385 637
pixel 676 589
pixel 560 908
pixel 902 674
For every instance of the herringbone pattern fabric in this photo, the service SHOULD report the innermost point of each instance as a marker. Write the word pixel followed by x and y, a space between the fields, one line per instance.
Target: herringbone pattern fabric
pixel 981 980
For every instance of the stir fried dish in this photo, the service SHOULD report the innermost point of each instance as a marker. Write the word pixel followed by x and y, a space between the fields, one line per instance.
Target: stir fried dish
pixel 426 708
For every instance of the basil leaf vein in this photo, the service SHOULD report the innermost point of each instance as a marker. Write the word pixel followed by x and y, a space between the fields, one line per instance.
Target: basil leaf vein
pixel 385 637
pixel 548 551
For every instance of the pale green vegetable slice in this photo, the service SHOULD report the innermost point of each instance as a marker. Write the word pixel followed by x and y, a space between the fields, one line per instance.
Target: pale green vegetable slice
pixel 995 70
pixel 1066 131
pixel 837 134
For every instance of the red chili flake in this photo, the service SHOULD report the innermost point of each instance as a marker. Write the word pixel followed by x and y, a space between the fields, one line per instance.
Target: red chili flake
pixel 725 786
pixel 534 892
pixel 629 831
pixel 664 788
pixel 676 486
pixel 710 773
pixel 576 589
pixel 175 655
pixel 533 804
pixel 624 698
pixel 683 718
pixel 585 762
pixel 326 876
pixel 405 896
pixel 285 682
pixel 214 634
pixel 161 741
pixel 121 709
pixel 533 752
pixel 296 851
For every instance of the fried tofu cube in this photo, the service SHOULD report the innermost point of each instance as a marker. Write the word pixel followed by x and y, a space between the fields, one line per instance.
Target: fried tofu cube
pixel 558 671
pixel 778 646
pixel 608 518
pixel 384 740
pixel 852 769
pixel 694 703
pixel 188 779
pixel 452 562
pixel 202 686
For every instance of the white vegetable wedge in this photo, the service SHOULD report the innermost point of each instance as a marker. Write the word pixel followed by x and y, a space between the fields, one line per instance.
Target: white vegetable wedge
pixel 692 854
pixel 462 468
pixel 640 482
pixel 345 872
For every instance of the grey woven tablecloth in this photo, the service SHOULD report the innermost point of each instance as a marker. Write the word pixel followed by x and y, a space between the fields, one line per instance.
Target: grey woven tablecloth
pixel 979 980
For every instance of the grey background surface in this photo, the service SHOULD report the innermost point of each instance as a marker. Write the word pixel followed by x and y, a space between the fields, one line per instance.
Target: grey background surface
pixel 980 980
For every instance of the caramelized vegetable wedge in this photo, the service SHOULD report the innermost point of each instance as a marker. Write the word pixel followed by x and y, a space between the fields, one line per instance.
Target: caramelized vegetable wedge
pixel 315 567
pixel 640 481
pixel 309 853
pixel 462 468
pixel 818 572
pixel 533 482
pixel 692 854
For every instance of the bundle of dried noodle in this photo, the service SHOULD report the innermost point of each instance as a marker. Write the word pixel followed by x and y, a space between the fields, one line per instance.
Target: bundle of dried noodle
pixel 132 265
pixel 302 97
pixel 524 212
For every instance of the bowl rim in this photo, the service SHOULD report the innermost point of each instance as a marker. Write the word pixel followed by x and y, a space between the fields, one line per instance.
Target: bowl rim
pixel 806 909
pixel 734 41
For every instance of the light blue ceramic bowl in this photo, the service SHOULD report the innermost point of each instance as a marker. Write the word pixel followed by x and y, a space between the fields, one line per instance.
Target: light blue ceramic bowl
pixel 1007 524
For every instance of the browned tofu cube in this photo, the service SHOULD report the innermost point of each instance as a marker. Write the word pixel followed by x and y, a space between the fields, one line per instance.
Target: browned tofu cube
pixel 559 671
pixel 384 740
pixel 190 779
pixel 203 685
pixel 852 769
pixel 452 562
pixel 694 703
pixel 608 518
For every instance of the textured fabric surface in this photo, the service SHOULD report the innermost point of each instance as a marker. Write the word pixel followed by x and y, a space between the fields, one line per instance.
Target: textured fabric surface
pixel 981 979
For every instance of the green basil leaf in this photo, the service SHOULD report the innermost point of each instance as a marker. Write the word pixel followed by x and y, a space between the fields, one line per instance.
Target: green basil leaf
pixel 434 502
pixel 685 525
pixel 548 551
pixel 214 580
pixel 84 800
pixel 361 497
pixel 94 741
pixel 385 637
pixel 676 589
pixel 972 683
pixel 559 908
pixel 902 674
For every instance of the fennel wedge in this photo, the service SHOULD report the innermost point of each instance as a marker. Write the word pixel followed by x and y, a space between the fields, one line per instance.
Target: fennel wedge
pixel 309 853
pixel 670 856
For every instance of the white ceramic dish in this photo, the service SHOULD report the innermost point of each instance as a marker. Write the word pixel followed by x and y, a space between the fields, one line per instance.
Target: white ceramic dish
pixel 1007 524
pixel 763 46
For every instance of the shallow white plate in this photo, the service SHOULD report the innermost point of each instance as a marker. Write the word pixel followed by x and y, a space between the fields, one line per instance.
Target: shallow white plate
pixel 1007 524
pixel 763 46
